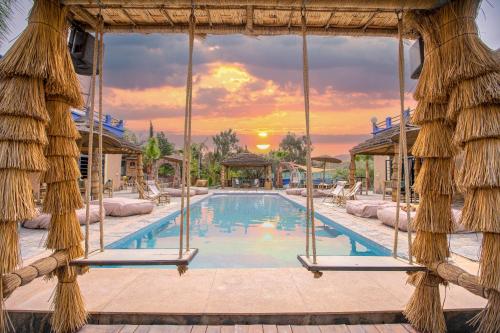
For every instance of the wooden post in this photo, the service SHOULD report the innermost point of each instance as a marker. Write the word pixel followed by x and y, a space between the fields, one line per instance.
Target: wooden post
pixel 352 171
pixel 279 178
pixel 367 174
pixel 140 174
pixel 95 175
pixel 223 177
pixel 394 176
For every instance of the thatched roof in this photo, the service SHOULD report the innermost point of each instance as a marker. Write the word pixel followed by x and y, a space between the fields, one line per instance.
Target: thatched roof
pixel 249 17
pixel 112 144
pixel 382 143
pixel 246 160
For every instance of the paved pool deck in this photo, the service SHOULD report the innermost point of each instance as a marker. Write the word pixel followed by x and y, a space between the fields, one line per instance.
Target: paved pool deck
pixel 232 296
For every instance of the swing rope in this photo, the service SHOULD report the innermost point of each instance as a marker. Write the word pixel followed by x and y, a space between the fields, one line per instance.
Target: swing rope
pixel 309 183
pixel 101 205
pixel 91 141
pixel 402 150
pixel 186 160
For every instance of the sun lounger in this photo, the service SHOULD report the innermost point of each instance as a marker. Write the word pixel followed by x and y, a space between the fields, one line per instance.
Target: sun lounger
pixel 125 206
pixel 335 192
pixel 155 193
pixel 348 194
pixel 42 221
pixel 366 208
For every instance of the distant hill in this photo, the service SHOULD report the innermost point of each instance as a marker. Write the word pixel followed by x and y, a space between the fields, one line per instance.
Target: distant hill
pixel 344 157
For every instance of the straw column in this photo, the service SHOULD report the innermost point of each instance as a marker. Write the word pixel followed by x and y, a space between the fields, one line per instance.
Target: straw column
pixel 41 53
pixel 473 80
pixel 434 182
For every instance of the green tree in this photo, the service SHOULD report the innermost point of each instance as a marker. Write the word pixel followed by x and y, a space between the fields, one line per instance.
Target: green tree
pixel 130 136
pixel 151 130
pixel 294 148
pixel 364 168
pixel 6 9
pixel 226 143
pixel 151 155
pixel 166 147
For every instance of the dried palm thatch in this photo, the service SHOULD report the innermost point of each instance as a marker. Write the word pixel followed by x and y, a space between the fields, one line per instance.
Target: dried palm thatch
pixel 40 52
pixel 62 125
pixel 481 209
pixel 62 197
pixel 490 258
pixel 9 247
pixel 430 247
pixel 488 320
pixel 61 169
pixel 14 128
pixel 61 146
pixel 429 112
pixel 434 140
pixel 435 176
pixel 65 233
pixel 478 122
pixel 473 92
pixel 426 294
pixel 16 196
pixel 434 213
pixel 23 97
pixel 22 156
pixel 481 164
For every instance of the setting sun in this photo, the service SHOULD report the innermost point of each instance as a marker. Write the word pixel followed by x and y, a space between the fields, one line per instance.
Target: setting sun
pixel 263 134
pixel 263 146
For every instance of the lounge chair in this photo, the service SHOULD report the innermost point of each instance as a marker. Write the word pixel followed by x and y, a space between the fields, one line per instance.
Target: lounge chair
pixel 152 197
pixel 335 192
pixel 156 194
pixel 256 183
pixel 349 194
pixel 236 182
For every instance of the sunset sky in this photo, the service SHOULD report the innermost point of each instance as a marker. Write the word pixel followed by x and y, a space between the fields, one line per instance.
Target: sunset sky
pixel 255 84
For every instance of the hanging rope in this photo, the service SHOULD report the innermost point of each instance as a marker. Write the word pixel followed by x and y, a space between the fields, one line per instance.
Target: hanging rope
pixel 309 183
pixel 101 206
pixel 402 149
pixel 91 142
pixel 186 160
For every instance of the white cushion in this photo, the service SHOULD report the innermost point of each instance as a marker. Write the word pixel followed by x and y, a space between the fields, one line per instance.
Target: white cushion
pixel 126 206
pixel 42 221
pixel 366 208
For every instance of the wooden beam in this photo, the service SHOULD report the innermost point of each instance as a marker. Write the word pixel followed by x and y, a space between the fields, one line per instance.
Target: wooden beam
pixel 249 26
pixel 257 30
pixel 369 21
pixel 209 17
pixel 83 13
pixel 290 18
pixel 378 4
pixel 327 26
pixel 167 15
pixel 124 11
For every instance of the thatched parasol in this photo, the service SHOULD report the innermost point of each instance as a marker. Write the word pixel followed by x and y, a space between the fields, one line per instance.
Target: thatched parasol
pixel 326 159
pixel 39 65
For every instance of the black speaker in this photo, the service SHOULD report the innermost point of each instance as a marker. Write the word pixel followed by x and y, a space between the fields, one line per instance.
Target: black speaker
pixel 416 58
pixel 81 47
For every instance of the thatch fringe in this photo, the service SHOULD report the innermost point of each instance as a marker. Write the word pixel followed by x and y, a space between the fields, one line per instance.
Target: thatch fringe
pixel 64 231
pixel 9 247
pixel 430 247
pixel 488 320
pixel 481 164
pixel 40 52
pixel 474 92
pixel 23 97
pixel 434 214
pixel 430 86
pixel 18 204
pixel 489 274
pixel 61 123
pixel 22 155
pixel 62 198
pixel 61 168
pixel 464 55
pixel 424 311
pixel 60 146
pixel 479 122
pixel 480 212
pixel 24 129
pixel 434 140
pixel 435 176
pixel 69 309
pixel 429 112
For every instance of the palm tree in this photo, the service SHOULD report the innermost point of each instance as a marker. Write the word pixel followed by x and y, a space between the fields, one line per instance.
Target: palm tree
pixel 6 9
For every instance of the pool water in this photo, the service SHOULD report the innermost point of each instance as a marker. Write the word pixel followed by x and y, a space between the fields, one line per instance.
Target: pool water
pixel 250 231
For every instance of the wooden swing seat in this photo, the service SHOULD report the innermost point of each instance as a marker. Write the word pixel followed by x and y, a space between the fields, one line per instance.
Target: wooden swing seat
pixel 137 257
pixel 358 263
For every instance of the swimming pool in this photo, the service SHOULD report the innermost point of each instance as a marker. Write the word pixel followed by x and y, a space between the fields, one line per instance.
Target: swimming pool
pixel 250 231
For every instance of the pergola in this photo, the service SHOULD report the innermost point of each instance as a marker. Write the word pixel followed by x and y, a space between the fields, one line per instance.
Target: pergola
pixel 458 98
pixel 246 161
pixel 176 162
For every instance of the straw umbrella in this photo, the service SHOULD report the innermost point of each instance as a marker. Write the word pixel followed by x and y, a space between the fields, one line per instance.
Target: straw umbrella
pixel 326 159
pixel 40 64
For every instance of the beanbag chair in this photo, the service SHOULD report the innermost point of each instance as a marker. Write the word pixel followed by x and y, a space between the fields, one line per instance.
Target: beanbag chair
pixel 42 221
pixel 316 193
pixel 387 215
pixel 199 190
pixel 176 192
pixel 366 208
pixel 293 191
pixel 125 206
